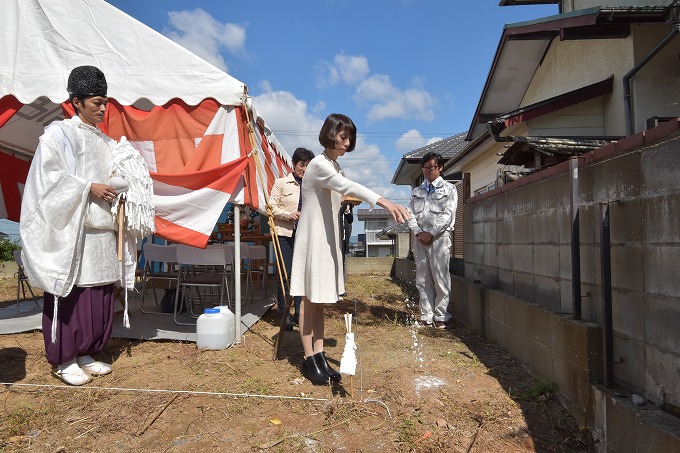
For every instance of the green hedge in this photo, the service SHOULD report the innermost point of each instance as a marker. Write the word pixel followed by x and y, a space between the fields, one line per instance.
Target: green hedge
pixel 6 249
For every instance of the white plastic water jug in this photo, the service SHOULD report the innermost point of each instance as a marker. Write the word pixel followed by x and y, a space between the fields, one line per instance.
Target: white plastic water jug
pixel 231 328
pixel 211 330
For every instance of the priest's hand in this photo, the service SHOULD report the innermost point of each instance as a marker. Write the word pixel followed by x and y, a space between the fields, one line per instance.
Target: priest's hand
pixel 103 192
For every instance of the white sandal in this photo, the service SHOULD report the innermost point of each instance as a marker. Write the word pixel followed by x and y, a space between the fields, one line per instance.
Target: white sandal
pixel 72 374
pixel 92 366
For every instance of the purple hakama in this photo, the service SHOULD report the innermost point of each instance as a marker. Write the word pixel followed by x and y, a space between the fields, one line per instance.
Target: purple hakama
pixel 84 323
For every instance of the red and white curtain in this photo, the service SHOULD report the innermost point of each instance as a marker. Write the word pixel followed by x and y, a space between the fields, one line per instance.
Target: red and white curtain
pixel 200 157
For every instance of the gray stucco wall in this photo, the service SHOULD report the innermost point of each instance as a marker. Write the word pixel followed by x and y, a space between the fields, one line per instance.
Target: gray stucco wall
pixel 518 240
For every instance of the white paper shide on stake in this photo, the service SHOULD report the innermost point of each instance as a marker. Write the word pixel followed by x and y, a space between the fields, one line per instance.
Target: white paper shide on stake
pixel 348 361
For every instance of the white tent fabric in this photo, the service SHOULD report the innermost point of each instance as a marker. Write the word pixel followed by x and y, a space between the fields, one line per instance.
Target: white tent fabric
pixel 42 40
pixel 40 37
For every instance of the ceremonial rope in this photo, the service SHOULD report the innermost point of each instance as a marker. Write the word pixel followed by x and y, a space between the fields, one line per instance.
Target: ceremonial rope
pixel 280 265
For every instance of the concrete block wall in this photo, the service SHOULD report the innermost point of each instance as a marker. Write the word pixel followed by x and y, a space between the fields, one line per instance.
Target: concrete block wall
pixel 569 353
pixel 518 240
pixel 621 426
pixel 550 345
pixel 367 265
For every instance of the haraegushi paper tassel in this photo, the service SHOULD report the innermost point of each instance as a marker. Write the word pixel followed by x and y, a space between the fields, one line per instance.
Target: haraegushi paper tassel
pixel 348 361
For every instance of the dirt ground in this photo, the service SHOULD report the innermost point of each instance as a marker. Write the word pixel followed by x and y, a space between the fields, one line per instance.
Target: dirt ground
pixel 421 390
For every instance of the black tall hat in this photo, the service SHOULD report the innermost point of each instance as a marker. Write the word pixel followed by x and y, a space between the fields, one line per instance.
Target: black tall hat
pixel 87 81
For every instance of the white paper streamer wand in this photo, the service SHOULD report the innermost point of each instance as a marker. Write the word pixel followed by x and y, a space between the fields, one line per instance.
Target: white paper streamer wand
pixel 348 361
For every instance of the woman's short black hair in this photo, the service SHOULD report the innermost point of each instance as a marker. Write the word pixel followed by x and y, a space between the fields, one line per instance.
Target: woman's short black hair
pixel 334 124
pixel 429 156
pixel 302 155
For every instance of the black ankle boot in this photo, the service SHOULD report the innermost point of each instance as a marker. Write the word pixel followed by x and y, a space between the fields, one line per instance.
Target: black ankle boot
pixel 312 372
pixel 322 363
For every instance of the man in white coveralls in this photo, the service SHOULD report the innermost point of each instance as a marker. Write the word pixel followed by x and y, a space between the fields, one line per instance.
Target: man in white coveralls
pixel 433 213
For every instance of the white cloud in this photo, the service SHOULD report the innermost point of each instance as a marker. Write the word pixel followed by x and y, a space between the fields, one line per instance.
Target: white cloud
pixel 376 93
pixel 198 32
pixel 412 140
pixel 383 100
pixel 348 69
pixel 291 119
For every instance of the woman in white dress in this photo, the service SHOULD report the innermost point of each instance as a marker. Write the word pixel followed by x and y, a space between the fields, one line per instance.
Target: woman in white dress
pixel 317 274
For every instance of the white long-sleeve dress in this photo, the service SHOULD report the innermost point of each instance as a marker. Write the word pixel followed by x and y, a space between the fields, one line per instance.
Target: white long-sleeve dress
pixel 317 271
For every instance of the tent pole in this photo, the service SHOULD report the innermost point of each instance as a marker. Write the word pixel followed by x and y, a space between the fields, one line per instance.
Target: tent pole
pixel 236 273
pixel 277 246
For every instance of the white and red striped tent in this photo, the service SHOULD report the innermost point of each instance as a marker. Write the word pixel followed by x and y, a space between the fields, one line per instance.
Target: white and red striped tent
pixel 191 121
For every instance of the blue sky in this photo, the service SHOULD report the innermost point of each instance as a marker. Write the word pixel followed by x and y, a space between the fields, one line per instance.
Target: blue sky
pixel 407 72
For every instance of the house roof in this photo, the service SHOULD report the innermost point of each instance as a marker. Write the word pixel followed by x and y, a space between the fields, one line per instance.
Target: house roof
pixel 392 231
pixel 525 2
pixel 369 214
pixel 409 165
pixel 551 150
pixel 528 42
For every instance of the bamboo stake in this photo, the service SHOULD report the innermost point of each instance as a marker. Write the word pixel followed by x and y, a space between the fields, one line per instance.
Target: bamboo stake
pixel 272 228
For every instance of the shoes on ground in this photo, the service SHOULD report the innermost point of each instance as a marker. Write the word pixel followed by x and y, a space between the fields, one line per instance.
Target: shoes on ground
pixel 72 374
pixel 322 364
pixel 92 366
pixel 312 372
pixel 422 323
pixel 440 324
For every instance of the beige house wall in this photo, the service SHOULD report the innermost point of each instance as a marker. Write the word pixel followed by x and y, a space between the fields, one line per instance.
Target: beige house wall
pixel 585 119
pixel 482 167
pixel 593 61
pixel 655 89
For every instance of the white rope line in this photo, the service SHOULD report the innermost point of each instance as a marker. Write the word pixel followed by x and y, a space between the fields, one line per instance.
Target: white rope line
pixel 187 392
pixel 179 392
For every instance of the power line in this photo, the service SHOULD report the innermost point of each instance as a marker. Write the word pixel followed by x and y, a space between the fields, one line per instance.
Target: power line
pixel 383 134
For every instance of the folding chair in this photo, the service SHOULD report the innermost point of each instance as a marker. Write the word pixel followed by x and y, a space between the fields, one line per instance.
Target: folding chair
pixel 229 268
pixel 258 267
pixel 160 264
pixel 244 266
pixel 200 269
pixel 22 281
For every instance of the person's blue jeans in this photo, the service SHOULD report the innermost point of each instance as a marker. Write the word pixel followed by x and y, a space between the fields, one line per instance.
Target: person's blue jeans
pixel 287 244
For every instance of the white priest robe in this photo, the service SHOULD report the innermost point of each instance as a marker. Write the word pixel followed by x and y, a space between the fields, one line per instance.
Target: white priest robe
pixel 68 238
